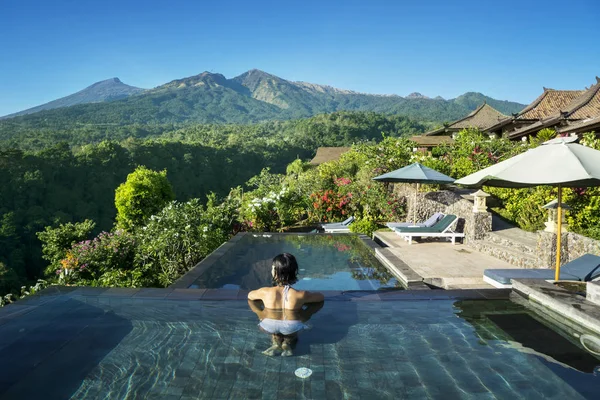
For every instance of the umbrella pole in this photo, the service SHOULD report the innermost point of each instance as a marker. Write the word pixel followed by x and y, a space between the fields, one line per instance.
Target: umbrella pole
pixel 415 205
pixel 559 233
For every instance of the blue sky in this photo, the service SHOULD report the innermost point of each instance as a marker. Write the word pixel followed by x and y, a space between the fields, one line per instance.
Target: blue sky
pixel 505 49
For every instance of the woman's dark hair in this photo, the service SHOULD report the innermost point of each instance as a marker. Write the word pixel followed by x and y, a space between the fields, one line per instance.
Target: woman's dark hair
pixel 286 269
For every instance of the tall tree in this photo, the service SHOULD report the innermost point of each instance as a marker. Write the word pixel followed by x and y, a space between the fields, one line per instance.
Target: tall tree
pixel 144 193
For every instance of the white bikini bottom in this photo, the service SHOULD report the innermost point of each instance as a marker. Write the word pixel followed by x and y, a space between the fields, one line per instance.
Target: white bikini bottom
pixel 283 327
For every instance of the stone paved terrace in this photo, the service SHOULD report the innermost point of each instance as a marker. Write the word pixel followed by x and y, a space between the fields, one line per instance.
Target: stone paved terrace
pixel 440 263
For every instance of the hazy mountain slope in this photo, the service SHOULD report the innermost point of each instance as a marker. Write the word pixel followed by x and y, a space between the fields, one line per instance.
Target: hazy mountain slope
pixel 201 98
pixel 472 100
pixel 253 96
pixel 107 90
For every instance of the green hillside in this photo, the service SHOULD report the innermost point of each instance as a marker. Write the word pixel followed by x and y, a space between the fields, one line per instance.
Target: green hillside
pixel 254 96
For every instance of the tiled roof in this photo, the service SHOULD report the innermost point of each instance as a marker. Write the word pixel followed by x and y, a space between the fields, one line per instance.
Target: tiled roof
pixel 587 105
pixel 499 124
pixel 587 125
pixel 550 102
pixel 432 141
pixel 326 154
pixel 484 116
pixel 535 127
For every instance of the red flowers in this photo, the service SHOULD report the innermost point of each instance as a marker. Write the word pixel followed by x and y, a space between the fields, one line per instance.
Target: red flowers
pixel 329 205
pixel 342 181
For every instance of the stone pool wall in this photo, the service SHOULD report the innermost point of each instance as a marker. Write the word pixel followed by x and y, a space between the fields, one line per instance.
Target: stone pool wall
pixel 474 225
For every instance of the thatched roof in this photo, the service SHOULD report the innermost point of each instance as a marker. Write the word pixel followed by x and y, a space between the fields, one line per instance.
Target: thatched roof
pixel 432 141
pixel 326 154
pixel 484 116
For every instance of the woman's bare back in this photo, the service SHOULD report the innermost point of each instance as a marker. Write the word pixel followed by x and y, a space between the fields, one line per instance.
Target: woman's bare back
pixel 274 297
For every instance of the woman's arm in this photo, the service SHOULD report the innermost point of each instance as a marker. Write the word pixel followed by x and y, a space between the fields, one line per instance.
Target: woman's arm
pixel 255 306
pixel 312 297
pixel 255 294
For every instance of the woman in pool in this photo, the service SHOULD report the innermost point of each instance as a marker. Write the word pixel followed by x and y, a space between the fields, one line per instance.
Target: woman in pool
pixel 285 308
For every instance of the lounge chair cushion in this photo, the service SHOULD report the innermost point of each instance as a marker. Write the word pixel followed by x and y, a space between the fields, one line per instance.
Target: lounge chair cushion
pixel 433 219
pixel 584 268
pixel 438 227
pixel 504 276
pixel 430 222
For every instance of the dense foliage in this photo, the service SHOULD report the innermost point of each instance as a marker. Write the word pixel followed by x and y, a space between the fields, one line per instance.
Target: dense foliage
pixel 336 129
pixel 144 193
pixel 60 184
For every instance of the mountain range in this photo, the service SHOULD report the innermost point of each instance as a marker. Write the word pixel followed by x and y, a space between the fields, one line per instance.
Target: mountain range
pixel 253 96
pixel 107 90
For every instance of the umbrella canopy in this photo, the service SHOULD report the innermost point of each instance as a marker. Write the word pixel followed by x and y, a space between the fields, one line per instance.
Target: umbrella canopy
pixel 558 162
pixel 415 173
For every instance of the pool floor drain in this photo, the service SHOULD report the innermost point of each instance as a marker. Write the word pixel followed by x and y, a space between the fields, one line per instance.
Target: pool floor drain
pixel 303 372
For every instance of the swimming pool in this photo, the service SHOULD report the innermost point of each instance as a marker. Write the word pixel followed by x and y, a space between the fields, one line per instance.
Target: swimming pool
pixel 326 262
pixel 104 346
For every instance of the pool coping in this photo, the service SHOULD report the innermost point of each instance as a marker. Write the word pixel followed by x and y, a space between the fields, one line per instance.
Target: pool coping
pixel 393 264
pixel 143 295
pixel 559 301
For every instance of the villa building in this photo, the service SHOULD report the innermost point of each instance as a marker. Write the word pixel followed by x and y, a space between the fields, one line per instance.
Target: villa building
pixel 484 116
pixel 541 108
pixel 566 111
pixel 326 154
pixel 426 143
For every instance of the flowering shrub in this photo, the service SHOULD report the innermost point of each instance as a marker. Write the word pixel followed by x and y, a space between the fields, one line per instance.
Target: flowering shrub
pixel 375 202
pixel 69 271
pixel 388 155
pixel 329 205
pixel 260 213
pixel 87 261
pixel 365 226
pixel 273 211
pixel 177 238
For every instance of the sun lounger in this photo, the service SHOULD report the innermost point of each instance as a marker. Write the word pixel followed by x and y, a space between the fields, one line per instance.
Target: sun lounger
pixel 430 222
pixel 585 268
pixel 338 227
pixel 441 229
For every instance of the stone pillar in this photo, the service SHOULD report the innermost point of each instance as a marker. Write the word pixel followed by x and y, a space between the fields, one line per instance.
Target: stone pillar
pixel 546 249
pixel 481 223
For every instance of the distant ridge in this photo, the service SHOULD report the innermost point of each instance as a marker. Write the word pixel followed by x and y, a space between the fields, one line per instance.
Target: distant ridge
pixel 253 96
pixel 106 90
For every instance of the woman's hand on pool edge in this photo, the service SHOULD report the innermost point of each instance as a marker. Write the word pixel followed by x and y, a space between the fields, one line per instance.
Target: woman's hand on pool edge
pixel 312 297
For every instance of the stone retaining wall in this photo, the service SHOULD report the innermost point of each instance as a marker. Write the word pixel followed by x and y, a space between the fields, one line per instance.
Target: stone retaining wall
pixel 572 246
pixel 474 225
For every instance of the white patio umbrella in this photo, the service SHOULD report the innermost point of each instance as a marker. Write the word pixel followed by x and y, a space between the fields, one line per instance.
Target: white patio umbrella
pixel 558 162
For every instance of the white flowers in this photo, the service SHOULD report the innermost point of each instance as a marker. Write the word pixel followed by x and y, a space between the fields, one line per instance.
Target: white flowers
pixel 271 199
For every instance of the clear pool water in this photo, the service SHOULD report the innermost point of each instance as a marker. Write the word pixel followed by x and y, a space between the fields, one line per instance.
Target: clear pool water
pixel 118 348
pixel 326 262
